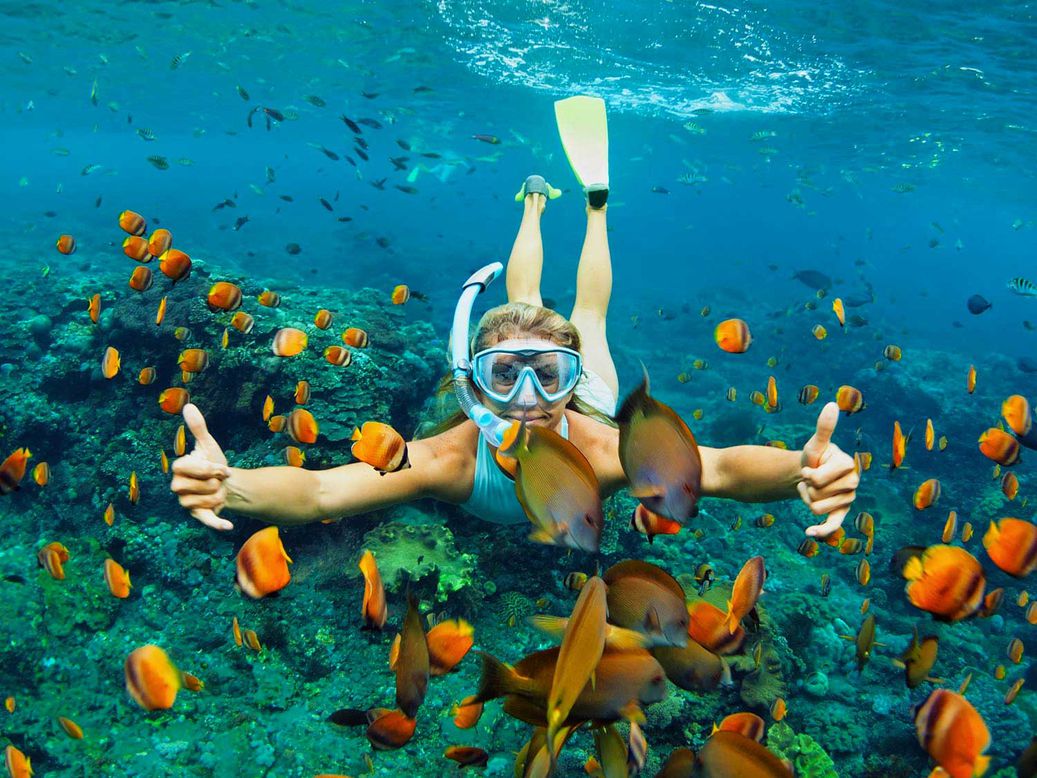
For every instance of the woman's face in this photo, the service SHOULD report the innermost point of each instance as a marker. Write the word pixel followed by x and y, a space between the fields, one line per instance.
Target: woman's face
pixel 528 404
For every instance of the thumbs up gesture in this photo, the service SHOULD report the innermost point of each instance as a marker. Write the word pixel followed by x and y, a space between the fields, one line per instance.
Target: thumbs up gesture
pixel 829 478
pixel 198 476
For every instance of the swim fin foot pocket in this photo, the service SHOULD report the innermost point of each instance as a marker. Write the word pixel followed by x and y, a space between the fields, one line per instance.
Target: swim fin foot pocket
pixel 597 197
pixel 537 185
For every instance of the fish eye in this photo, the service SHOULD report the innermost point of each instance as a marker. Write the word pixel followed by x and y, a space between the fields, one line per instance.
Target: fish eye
pixel 658 679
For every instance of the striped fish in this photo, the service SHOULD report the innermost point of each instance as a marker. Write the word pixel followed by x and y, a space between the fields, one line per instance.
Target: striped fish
pixel 1023 286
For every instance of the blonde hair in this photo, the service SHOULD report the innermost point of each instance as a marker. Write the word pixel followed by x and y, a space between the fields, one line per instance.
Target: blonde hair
pixel 518 320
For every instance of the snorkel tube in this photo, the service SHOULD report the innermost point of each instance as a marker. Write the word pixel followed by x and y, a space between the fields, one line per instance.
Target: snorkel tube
pixel 490 424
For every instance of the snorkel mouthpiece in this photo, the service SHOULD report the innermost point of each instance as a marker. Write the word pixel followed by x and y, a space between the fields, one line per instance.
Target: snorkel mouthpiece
pixel 490 424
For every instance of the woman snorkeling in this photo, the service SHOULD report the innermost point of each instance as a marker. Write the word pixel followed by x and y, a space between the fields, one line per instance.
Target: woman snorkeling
pixel 525 362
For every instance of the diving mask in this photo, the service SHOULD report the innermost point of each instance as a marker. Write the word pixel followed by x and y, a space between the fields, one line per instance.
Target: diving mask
pixel 503 371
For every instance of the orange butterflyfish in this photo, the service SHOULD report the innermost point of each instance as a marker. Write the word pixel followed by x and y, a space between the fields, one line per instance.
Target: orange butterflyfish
pixel 181 333
pixel 467 756
pixel 1012 545
pixel 747 589
pixel 224 296
pixel 355 337
pixel 93 308
pixel 966 532
pixel 1000 672
pixel 733 336
pixel 66 244
pixel 276 423
pixel 322 319
pixel 707 626
pixel 837 309
pixel 52 558
pixel 953 733
pixel 1010 485
pixel 132 223
pixel 899 445
pixel 262 564
pixel 865 605
pixel 302 392
pixel 109 515
pixel 999 446
pixel 41 474
pixel 288 342
pixel 950 527
pixel 117 578
pixel 865 524
pixel 301 426
pixel 756 397
pixel 970 379
pixel 850 546
pixel 745 723
pixel 159 242
pixel 294 456
pixel 772 392
pixel 945 581
pixel 849 399
pixel 18 764
pixel 819 332
pixel 173 399
pixel 650 524
pixel 448 643
pixel 192 682
pixel 930 435
pixel 373 609
pixel 242 322
pixel 863 572
pixel 338 356
pixel 778 709
pixel 164 460
pixel 927 493
pixel 141 279
pixel 193 360
pixel 136 248
pixel 862 460
pixel 236 631
pixel 12 471
pixel 942 442
pixel 1031 613
pixel 151 678
pixel 269 299
pixel 110 362
pixel 1022 599
pixel 1013 692
pixel 268 408
pixel 731 394
pixel 400 294
pixel 1015 650
pixel 180 441
pixel 835 538
pixel 133 490
pixel 466 713
pixel 391 729
pixel 224 338
pixel 380 446
pixel 146 376
pixel 1016 413
pixel 892 353
pixel 175 264
pixel 251 640
pixel 160 314
pixel 808 394
pixel 9 704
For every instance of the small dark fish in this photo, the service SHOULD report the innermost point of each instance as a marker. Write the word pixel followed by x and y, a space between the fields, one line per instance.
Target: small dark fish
pixel 349 717
pixel 251 113
pixel 660 190
pixel 1027 324
pixel 978 304
pixel 374 124
pixel 287 198
pixel 293 248
pixel 241 222
pixel 403 144
pixel 14 578
pixel 432 155
pixel 1027 364
pixel 330 154
pixel 146 134
pixel 406 189
pixel 361 142
pixel 89 169
pixel 957 324
pixel 178 60
pixel 352 125
pixel 274 114
pixel 419 89
pixel 270 175
pixel 97 202
pixel 350 160
pixel 493 140
pixel 856 320
pixel 815 279
pixel 161 163
pixel 361 153
pixel 242 93
pixel 370 95
pixel 228 203
pixel 379 184
pixel 383 242
pixel 326 204
pixel 398 163
pixel 314 100
pixel 345 218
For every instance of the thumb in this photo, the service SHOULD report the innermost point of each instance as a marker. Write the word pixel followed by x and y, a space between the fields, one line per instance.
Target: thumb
pixel 204 442
pixel 815 447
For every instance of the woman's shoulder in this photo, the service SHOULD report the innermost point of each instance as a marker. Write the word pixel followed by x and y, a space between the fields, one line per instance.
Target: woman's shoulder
pixel 587 432
pixel 448 460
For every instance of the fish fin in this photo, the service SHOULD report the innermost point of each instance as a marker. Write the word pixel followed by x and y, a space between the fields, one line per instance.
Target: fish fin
pixel 632 712
pixel 725 675
pixel 848 637
pixel 898 663
pixel 652 622
pixel 552 625
pixel 731 621
pixel 912 569
pixel 981 764
pixel 356 434
pixel 497 679
pixel 593 680
pixel 643 492
pixel 991 535
pixel 625 639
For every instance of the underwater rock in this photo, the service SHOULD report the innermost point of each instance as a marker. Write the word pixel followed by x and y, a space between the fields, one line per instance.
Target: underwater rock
pixel 409 553
pixel 816 684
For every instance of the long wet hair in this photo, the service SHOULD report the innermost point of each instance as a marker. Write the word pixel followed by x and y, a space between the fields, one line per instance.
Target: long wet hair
pixel 517 320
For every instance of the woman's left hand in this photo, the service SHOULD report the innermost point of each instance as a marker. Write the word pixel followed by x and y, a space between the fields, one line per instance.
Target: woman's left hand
pixel 829 476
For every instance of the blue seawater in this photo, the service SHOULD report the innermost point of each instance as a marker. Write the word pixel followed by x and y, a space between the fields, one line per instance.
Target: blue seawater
pixel 889 146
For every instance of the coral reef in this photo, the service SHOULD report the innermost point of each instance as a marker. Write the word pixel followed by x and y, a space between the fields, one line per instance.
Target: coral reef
pixel 808 758
pixel 408 553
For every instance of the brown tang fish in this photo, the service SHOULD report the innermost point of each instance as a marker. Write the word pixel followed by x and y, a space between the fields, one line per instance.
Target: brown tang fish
pixel 412 665
pixel 659 456
pixel 645 598
pixel 556 487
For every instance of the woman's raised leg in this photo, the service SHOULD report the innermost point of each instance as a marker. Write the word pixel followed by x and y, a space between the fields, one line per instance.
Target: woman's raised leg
pixel 526 263
pixel 593 291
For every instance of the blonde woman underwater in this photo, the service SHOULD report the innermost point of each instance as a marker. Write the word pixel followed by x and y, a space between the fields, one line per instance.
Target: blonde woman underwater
pixel 527 362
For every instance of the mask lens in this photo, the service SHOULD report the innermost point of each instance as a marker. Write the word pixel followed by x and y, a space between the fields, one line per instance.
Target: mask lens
pixel 499 373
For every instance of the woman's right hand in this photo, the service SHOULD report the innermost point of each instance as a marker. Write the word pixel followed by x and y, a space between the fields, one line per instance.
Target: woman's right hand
pixel 198 476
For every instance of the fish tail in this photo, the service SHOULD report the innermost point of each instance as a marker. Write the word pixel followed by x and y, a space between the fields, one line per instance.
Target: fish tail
pixel 981 765
pixel 497 678
pixel 991 535
pixel 731 622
